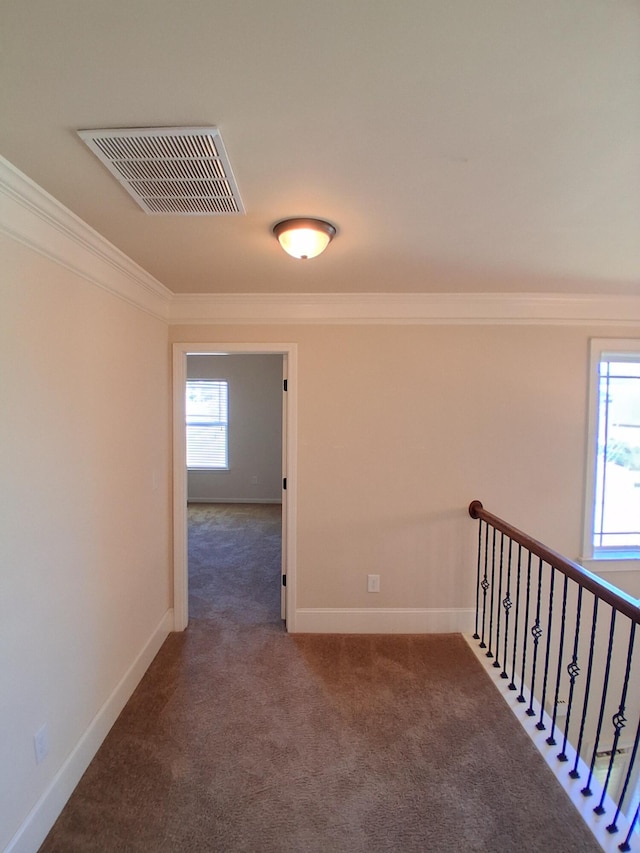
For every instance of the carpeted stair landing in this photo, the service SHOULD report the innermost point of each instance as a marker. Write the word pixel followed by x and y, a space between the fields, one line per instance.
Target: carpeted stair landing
pixel 243 738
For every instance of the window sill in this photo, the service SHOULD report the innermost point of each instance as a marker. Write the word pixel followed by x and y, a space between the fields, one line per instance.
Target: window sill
pixel 618 562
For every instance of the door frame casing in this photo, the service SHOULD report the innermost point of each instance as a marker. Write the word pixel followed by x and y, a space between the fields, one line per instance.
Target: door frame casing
pixel 289 456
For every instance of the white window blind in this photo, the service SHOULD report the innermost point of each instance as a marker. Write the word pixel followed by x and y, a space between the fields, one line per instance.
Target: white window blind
pixel 207 423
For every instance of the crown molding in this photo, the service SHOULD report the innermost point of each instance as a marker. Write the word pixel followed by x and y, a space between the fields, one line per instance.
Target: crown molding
pixel 405 308
pixel 29 215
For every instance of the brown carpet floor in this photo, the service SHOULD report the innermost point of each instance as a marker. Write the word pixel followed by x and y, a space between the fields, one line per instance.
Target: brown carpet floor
pixel 243 738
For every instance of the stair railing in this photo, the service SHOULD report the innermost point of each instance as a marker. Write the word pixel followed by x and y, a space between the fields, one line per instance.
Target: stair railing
pixel 564 640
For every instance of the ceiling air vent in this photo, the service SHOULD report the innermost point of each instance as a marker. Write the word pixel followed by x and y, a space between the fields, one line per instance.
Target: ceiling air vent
pixel 181 171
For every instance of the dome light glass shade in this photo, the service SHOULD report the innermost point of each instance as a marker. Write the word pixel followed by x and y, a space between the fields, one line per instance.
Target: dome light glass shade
pixel 304 238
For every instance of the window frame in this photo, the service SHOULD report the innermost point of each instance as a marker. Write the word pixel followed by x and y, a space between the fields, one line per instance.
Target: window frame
pixel 617 558
pixel 225 424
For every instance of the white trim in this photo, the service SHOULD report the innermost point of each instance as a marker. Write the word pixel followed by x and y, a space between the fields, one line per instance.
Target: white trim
pixel 405 308
pixel 592 443
pixel 384 620
pixel 180 563
pixel 604 565
pixel 180 492
pixel 36 219
pixel 44 814
pixel 573 787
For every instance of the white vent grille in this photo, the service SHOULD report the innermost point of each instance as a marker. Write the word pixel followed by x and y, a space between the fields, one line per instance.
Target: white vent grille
pixel 181 171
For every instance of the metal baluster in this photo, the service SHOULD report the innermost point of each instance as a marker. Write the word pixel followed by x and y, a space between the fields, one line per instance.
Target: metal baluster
pixel 574 671
pixel 525 634
pixel 496 662
pixel 586 791
pixel 512 684
pixel 632 761
pixel 551 739
pixel 536 632
pixel 493 587
pixel 540 725
pixel 507 603
pixel 618 721
pixel 485 586
pixel 476 636
pixel 574 771
pixel 625 846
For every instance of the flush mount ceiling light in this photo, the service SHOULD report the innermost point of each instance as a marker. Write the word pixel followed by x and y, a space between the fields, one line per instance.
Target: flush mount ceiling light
pixel 304 238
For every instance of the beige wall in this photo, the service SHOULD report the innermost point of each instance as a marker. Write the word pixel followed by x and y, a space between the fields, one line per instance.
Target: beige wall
pixel 400 427
pixel 84 521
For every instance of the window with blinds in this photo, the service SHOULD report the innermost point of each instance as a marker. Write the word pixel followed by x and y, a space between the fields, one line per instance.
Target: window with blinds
pixel 207 408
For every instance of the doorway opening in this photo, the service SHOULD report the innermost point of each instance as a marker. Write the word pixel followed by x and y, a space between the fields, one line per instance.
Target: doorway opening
pixel 237 481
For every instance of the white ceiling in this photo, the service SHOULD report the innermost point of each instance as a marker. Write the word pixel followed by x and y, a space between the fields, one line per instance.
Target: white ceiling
pixel 458 145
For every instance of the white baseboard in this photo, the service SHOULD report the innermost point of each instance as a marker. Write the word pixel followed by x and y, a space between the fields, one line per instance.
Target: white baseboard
pixel 384 620
pixel 44 814
pixel 234 500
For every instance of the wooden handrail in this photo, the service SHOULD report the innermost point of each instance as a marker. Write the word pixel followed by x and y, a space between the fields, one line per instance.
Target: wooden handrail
pixel 608 593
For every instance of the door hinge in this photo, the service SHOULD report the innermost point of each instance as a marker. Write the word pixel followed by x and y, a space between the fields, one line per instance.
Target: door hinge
pixel 284 483
pixel 284 384
pixel 284 580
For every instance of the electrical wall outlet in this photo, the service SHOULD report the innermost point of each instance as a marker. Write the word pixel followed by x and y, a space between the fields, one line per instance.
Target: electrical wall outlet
pixel 373 583
pixel 41 743
pixel 254 480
